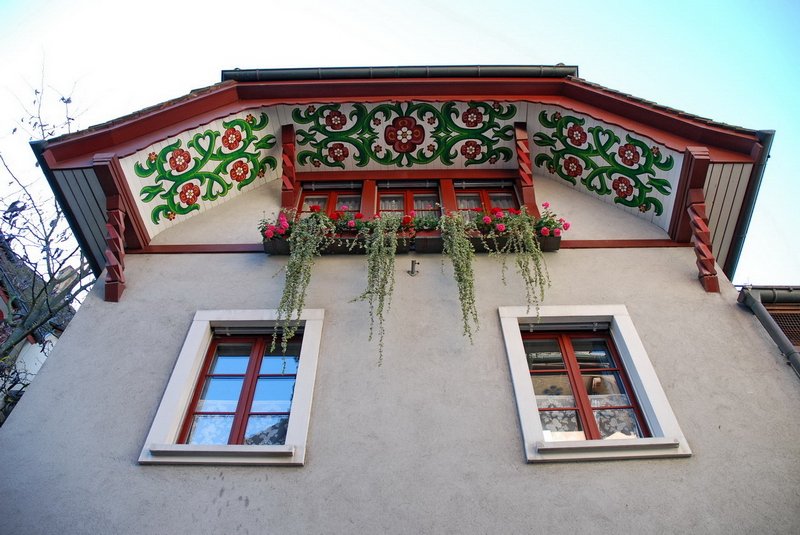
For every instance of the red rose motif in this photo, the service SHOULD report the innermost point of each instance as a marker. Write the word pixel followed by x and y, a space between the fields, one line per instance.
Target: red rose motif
pixel 472 117
pixel 573 167
pixel 231 138
pixel 470 150
pixel 189 194
pixel 179 160
pixel 576 135
pixel 628 154
pixel 338 152
pixel 623 187
pixel 239 171
pixel 404 134
pixel 335 120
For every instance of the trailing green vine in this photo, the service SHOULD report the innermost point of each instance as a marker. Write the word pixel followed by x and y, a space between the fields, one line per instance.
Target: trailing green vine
pixel 308 237
pixel 456 245
pixel 380 242
pixel 602 162
pixel 404 134
pixel 182 176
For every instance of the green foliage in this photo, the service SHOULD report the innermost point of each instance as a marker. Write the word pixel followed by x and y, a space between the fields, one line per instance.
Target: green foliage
pixel 457 247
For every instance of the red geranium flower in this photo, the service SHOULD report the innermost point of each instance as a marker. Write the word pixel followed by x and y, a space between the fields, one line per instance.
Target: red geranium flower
pixel 359 215
pixel 407 219
pixel 179 160
pixel 472 117
pixel 545 231
pixel 239 171
pixel 470 150
pixel 231 138
pixel 335 120
pixel 623 187
pixel 576 135
pixel 573 167
pixel 315 208
pixel 336 215
pixel 628 154
pixel 338 152
pixel 404 134
pixel 189 194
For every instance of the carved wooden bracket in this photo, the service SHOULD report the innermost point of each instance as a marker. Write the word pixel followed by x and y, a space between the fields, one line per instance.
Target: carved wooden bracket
pixel 115 249
pixel 288 178
pixel 701 237
pixel 525 176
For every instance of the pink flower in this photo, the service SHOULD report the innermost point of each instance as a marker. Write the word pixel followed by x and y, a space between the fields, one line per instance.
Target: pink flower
pixel 487 219
pixel 545 231
pixel 412 213
pixel 273 228
pixel 566 225
pixel 268 233
pixel 501 227
pixel 545 205
pixel 557 232
pixel 281 231
pixel 498 214
pixel 344 208
pixel 351 223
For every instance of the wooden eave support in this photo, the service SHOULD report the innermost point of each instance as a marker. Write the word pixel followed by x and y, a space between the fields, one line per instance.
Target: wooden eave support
pixel 701 238
pixel 115 249
pixel 525 176
pixel 289 193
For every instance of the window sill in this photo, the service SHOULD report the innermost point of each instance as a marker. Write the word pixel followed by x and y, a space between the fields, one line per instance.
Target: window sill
pixel 222 454
pixel 593 450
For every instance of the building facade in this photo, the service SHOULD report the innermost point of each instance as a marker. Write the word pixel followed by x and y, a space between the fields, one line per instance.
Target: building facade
pixel 638 397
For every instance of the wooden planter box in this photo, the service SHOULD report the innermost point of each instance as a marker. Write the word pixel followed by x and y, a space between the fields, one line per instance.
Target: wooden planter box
pixel 549 244
pixel 428 242
pixel 341 245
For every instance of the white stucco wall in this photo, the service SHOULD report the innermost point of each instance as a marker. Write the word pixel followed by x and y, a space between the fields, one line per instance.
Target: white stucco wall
pixel 427 443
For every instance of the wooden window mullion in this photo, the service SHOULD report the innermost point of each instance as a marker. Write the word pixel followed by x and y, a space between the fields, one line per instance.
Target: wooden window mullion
pixel 590 428
pixel 248 390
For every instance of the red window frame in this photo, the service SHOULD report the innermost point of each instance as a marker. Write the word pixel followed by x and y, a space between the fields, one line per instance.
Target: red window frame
pixel 332 200
pixel 485 197
pixel 260 346
pixel 408 198
pixel 574 372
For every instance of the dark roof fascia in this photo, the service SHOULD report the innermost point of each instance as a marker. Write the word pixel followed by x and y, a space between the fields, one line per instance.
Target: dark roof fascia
pixel 451 71
pixel 765 137
pixel 38 148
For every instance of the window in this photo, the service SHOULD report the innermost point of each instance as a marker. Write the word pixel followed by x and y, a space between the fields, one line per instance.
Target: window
pixel 232 400
pixel 584 386
pixel 485 199
pixel 330 201
pixel 424 202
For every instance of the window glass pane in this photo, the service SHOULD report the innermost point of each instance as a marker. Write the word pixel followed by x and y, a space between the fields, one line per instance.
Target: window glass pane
pixel 349 203
pixel 605 389
pixel 502 200
pixel 319 200
pixel 552 390
pixel 266 430
pixel 425 204
pixel 273 395
pixel 210 429
pixel 231 359
pixel 468 201
pixel 561 425
pixel 220 394
pixel 592 353
pixel 391 202
pixel 617 423
pixel 543 354
pixel 283 365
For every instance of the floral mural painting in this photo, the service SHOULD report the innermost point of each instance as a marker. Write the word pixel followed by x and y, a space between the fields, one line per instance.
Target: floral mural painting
pixel 404 134
pixel 602 162
pixel 184 176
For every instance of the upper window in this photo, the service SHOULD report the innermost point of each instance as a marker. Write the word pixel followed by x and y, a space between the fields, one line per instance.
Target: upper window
pixel 486 199
pixel 584 386
pixel 330 201
pixel 424 202
pixel 232 400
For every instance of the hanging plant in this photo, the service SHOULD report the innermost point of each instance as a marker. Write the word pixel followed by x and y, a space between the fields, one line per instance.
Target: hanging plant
pixel 308 237
pixel 380 242
pixel 456 245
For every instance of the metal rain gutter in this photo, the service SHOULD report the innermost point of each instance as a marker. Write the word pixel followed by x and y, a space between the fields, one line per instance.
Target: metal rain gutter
pixel 453 71
pixel 752 298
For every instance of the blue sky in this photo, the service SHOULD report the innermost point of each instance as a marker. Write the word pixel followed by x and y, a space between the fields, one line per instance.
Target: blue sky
pixel 733 61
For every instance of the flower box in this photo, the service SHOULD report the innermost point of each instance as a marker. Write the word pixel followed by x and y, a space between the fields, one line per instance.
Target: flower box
pixel 343 244
pixel 276 246
pixel 549 243
pixel 428 242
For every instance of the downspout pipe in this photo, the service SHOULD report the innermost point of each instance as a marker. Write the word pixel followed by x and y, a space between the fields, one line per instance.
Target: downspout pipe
pixel 752 300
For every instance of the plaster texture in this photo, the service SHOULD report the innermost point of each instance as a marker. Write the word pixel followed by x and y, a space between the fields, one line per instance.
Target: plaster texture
pixel 429 442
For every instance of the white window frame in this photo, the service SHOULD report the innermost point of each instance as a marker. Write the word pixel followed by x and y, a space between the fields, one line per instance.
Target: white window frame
pixel 161 445
pixel 667 439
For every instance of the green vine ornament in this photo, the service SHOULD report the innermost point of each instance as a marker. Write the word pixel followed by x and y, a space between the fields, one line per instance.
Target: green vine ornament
pixel 456 246
pixel 404 134
pixel 182 175
pixel 602 162
pixel 380 242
